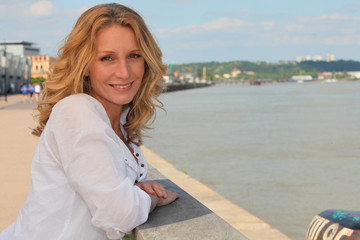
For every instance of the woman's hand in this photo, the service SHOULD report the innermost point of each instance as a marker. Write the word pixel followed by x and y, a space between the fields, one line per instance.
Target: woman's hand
pixel 171 196
pixel 159 196
pixel 153 188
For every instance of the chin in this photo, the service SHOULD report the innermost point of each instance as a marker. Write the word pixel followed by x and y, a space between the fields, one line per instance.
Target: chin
pixel 124 101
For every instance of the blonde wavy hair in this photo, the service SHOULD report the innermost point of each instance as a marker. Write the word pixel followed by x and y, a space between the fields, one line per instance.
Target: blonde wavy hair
pixel 74 57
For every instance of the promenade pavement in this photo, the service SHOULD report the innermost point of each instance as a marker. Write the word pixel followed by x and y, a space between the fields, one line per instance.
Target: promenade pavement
pixel 17 145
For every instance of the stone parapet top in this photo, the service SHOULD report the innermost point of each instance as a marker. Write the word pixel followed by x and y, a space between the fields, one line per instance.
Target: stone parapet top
pixel 186 218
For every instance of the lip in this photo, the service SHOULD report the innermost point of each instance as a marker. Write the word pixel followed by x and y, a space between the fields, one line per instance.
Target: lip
pixel 121 87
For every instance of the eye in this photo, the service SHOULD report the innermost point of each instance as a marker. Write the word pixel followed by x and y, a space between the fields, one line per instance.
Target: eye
pixel 135 56
pixel 106 58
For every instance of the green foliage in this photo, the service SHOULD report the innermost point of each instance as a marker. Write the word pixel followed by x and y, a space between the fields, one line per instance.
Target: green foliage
pixel 129 237
pixel 37 80
pixel 334 66
pixel 281 71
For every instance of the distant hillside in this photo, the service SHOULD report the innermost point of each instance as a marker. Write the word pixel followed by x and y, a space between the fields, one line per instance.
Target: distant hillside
pixel 276 71
pixel 335 66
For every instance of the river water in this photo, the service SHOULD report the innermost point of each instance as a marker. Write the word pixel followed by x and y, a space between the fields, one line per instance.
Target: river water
pixel 284 152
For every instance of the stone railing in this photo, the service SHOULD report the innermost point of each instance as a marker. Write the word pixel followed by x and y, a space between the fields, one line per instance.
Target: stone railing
pixel 186 218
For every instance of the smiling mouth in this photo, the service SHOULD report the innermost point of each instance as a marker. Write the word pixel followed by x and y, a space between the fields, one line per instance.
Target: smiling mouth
pixel 121 86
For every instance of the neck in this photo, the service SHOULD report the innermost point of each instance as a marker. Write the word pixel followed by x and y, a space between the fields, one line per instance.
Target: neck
pixel 114 117
pixel 113 111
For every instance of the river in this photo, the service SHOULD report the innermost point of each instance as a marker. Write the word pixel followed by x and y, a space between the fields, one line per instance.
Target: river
pixel 284 152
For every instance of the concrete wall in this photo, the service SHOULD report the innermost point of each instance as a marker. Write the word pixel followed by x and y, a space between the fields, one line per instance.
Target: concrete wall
pixel 186 218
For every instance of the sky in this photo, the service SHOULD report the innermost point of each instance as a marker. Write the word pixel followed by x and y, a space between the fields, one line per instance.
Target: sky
pixel 191 31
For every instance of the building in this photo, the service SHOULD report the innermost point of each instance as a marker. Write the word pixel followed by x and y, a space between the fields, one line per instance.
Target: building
pixel 317 58
pixel 15 66
pixel 227 75
pixel 20 48
pixel 41 66
pixel 303 58
pixel 235 72
pixel 329 57
pixel 354 74
pixel 324 75
pixel 301 78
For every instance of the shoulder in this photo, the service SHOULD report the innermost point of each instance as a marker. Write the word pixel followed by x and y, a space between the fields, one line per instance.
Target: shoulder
pixel 78 101
pixel 79 105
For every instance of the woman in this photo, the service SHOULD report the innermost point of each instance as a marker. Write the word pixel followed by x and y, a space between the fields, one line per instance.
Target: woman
pixel 88 171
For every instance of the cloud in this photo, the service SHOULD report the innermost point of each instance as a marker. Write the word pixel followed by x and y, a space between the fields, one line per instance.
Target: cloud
pixel 213 26
pixel 18 11
pixel 43 8
pixel 268 26
pixel 331 29
pixel 37 21
pixel 233 36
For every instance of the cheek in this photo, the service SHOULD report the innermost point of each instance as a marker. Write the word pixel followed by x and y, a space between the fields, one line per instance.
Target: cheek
pixel 98 75
pixel 139 69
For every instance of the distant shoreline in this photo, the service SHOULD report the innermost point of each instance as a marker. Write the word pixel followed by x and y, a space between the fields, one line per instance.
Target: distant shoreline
pixel 177 87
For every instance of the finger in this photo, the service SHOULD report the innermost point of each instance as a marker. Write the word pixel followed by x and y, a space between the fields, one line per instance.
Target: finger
pixel 173 195
pixel 159 189
pixel 176 195
pixel 148 188
pixel 163 191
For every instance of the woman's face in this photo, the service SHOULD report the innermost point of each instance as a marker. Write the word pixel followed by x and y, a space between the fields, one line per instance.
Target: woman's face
pixel 118 68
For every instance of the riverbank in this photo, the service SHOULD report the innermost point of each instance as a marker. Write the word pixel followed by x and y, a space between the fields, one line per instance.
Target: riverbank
pixel 16 153
pixel 185 86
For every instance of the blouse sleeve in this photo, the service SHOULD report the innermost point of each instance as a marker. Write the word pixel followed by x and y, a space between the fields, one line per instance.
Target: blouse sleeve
pixel 93 161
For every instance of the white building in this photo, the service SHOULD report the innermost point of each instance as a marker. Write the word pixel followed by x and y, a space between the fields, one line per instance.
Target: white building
pixel 317 58
pixel 303 58
pixel 20 48
pixel 301 78
pixel 329 57
pixel 15 66
pixel 226 75
pixel 235 72
pixel 354 74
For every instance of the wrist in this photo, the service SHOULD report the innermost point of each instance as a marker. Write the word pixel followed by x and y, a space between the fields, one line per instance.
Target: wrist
pixel 154 201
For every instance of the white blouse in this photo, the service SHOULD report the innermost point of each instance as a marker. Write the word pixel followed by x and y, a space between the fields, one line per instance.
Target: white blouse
pixel 83 179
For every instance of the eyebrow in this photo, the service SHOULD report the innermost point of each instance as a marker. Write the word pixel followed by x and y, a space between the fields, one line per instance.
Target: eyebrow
pixel 112 51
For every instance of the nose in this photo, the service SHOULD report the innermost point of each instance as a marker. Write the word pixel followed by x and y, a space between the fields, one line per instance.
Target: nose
pixel 122 69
